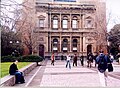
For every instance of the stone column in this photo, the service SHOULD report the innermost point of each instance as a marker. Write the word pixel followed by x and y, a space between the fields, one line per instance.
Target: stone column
pixel 70 22
pixel 50 43
pixel 84 45
pixel 70 43
pixel 80 44
pixel 60 42
pixel 60 21
pixel 50 21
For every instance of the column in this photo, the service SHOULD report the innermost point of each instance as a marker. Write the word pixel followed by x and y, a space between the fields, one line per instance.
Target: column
pixel 60 21
pixel 60 42
pixel 80 44
pixel 84 45
pixel 70 43
pixel 50 21
pixel 50 43
pixel 70 22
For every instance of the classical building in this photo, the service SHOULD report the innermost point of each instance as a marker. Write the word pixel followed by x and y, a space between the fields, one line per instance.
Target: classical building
pixel 74 26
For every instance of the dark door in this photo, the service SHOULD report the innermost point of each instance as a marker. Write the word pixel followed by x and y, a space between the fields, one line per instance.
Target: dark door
pixel 41 50
pixel 89 49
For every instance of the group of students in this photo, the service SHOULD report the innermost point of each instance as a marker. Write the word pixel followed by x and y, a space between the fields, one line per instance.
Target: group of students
pixel 102 61
pixel 68 58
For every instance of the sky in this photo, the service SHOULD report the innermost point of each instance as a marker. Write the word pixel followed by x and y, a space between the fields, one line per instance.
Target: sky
pixel 113 8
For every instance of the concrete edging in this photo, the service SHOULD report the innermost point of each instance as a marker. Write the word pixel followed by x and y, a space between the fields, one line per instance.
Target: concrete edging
pixel 9 80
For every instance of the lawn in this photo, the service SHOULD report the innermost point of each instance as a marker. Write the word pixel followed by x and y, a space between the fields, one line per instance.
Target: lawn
pixel 5 67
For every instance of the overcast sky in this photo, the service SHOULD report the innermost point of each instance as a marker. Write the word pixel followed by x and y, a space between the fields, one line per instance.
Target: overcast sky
pixel 113 7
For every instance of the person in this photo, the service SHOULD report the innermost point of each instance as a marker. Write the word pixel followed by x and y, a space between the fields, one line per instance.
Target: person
pixel 82 60
pixel 68 61
pixel 62 58
pixel 75 60
pixel 13 70
pixel 94 57
pixel 90 59
pixel 102 66
pixel 110 59
pixel 52 59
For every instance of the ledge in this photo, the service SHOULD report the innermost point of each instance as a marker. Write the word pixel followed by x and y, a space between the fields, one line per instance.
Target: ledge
pixel 9 80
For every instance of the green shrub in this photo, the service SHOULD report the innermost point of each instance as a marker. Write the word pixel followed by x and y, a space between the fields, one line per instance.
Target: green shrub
pixel 31 58
pixel 27 58
pixel 8 58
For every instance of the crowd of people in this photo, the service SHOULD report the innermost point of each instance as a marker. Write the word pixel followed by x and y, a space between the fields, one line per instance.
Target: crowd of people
pixel 102 61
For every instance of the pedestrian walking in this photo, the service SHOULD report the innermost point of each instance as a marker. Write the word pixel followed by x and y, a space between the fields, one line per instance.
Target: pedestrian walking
pixel 82 60
pixel 13 70
pixel 68 61
pixel 110 59
pixel 89 59
pixel 52 59
pixel 75 60
pixel 102 66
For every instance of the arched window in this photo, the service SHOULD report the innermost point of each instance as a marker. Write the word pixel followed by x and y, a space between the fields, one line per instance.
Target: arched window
pixel 55 44
pixel 65 22
pixel 74 45
pixel 74 23
pixel 55 22
pixel 64 44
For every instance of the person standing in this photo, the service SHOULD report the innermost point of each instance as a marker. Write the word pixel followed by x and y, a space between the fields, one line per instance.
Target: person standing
pixel 68 61
pixel 90 59
pixel 75 60
pixel 52 59
pixel 102 66
pixel 82 60
pixel 13 70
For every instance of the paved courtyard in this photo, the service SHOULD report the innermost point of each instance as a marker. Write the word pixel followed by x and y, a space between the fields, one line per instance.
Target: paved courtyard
pixel 58 75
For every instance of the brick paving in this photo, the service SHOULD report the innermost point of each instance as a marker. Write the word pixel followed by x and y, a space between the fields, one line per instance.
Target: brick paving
pixel 60 76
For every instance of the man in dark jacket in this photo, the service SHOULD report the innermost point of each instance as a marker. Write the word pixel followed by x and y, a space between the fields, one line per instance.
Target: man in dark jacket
pixel 102 66
pixel 13 70
pixel 75 60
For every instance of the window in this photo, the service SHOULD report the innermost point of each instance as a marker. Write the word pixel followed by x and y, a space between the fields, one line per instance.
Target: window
pixel 74 23
pixel 64 45
pixel 55 23
pixel 55 45
pixel 88 22
pixel 65 23
pixel 74 45
pixel 41 23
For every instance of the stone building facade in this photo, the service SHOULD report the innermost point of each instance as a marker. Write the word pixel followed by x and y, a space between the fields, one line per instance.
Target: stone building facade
pixel 63 26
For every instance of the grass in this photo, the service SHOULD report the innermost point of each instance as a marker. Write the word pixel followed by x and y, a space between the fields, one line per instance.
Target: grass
pixel 5 67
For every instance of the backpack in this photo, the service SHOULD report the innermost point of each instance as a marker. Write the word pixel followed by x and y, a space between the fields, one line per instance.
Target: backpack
pixel 102 64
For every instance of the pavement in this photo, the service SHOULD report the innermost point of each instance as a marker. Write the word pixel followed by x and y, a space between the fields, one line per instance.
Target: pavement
pixel 58 75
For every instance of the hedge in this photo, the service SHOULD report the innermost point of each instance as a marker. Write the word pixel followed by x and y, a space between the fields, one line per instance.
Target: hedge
pixel 8 58
pixel 31 58
pixel 27 58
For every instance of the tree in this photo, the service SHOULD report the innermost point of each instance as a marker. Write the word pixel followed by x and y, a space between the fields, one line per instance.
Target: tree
pixel 18 17
pixel 10 42
pixel 114 38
